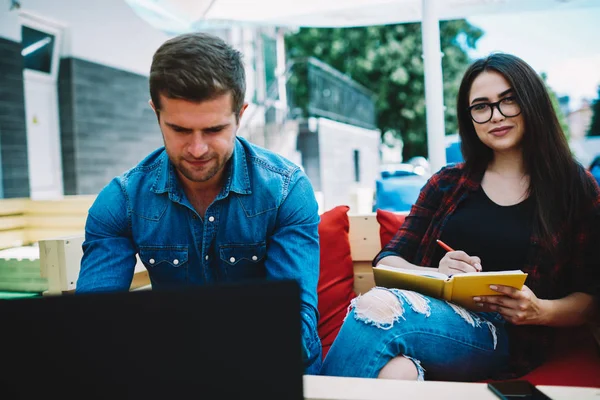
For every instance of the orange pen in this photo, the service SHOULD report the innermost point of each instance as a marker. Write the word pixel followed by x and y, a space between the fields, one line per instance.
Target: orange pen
pixel 444 245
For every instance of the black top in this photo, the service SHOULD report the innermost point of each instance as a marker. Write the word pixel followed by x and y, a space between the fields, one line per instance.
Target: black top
pixel 499 235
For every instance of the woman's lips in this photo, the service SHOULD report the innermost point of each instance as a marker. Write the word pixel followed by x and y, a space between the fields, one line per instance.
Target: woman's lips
pixel 498 132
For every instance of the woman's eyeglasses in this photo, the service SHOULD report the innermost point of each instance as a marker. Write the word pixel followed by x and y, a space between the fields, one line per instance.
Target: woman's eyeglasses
pixel 483 112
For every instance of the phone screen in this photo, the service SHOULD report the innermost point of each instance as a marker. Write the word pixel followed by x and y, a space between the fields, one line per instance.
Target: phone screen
pixel 522 390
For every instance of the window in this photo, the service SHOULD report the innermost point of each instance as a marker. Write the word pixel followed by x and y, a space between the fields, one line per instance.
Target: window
pixel 270 57
pixel 356 166
pixel 37 49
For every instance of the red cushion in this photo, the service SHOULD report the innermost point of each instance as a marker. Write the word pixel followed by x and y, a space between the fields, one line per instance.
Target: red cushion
pixel 575 361
pixel 336 277
pixel 389 223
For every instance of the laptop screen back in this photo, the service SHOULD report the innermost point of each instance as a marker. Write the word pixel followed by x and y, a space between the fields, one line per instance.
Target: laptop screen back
pixel 228 342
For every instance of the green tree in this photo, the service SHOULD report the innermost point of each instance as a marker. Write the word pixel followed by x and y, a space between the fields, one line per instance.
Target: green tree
pixel 559 113
pixel 595 125
pixel 387 59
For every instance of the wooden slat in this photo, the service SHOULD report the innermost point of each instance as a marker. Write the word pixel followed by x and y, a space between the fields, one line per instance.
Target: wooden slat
pixel 363 276
pixel 12 238
pixel 364 237
pixel 41 219
pixel 20 270
pixel 22 278
pixel 35 235
pixel 11 222
pixel 64 221
pixel 13 206
pixel 34 286
pixel 26 253
pixel 70 223
pixel 14 268
pixel 364 244
pixel 73 205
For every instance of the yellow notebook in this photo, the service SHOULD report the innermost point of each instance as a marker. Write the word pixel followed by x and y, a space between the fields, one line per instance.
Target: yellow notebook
pixel 458 289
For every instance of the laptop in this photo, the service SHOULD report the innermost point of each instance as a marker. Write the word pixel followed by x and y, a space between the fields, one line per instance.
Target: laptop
pixel 228 341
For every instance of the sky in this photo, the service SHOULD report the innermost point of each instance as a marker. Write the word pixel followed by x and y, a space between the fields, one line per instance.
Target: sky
pixel 564 44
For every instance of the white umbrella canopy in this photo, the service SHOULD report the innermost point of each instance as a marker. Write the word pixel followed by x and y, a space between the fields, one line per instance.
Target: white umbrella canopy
pixel 179 16
pixel 330 13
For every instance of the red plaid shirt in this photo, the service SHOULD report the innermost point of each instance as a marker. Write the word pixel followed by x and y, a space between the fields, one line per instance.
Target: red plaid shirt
pixel 549 278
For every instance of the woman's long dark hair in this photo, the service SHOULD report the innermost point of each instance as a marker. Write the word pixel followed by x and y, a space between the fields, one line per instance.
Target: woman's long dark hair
pixel 558 184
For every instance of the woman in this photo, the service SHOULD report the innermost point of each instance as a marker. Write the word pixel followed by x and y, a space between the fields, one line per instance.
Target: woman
pixel 519 201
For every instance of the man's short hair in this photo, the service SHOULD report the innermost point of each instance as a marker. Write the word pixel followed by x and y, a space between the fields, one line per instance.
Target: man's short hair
pixel 197 67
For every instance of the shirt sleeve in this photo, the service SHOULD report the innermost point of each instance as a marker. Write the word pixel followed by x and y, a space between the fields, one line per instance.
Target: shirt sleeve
pixel 407 240
pixel 108 261
pixel 293 253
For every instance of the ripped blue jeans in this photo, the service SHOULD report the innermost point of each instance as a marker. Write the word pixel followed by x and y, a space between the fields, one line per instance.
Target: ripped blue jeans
pixel 444 341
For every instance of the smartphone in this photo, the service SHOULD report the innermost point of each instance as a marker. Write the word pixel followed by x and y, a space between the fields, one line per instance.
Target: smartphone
pixel 519 389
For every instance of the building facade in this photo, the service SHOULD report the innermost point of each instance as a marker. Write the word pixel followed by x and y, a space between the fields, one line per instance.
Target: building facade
pixel 74 97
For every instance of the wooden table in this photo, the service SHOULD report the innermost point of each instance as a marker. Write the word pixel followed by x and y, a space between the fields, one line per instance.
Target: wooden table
pixel 335 388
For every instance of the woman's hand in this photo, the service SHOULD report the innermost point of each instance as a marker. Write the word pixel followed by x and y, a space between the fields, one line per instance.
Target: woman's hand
pixel 459 262
pixel 520 307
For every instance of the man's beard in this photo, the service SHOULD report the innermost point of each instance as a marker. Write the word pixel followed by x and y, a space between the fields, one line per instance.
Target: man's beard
pixel 203 175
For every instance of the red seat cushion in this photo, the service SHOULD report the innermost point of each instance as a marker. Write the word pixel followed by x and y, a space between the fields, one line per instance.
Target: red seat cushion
pixel 389 223
pixel 336 278
pixel 575 361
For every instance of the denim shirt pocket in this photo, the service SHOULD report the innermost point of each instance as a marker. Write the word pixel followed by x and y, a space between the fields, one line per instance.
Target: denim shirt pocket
pixel 241 261
pixel 165 264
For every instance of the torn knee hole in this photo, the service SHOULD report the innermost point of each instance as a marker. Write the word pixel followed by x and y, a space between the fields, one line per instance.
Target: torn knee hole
pixel 379 307
pixel 475 321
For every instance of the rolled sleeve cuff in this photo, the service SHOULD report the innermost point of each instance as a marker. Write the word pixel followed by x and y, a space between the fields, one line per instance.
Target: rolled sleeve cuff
pixel 383 254
pixel 311 343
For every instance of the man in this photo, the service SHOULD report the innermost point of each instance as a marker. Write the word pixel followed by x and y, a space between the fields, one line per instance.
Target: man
pixel 208 206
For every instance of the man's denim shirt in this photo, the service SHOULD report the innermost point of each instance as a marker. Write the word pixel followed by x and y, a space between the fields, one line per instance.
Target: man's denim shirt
pixel 263 224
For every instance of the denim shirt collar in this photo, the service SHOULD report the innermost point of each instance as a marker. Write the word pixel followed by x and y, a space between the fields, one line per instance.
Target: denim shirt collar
pixel 237 180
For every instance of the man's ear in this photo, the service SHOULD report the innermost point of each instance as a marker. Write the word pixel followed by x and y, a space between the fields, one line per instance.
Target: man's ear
pixel 242 111
pixel 154 108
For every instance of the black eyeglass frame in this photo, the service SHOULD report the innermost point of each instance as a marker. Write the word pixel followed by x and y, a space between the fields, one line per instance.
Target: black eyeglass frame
pixel 493 105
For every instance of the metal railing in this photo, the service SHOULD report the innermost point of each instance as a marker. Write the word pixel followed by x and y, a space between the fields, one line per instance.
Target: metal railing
pixel 315 89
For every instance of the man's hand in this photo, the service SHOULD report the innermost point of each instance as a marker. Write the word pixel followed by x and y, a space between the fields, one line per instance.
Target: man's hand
pixel 519 307
pixel 459 262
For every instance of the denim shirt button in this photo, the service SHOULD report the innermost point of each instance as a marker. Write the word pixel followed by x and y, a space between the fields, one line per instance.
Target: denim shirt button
pixel 206 257
pixel 254 258
pixel 232 259
pixel 152 261
pixel 175 261
pixel 211 218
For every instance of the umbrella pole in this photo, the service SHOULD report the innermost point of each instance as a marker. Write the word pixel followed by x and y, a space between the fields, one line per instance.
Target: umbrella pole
pixel 434 87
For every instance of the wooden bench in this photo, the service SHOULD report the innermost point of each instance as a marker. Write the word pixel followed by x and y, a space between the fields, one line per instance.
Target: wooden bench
pixel 60 258
pixel 58 226
pixel 60 261
pixel 34 230
pixel 25 221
